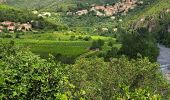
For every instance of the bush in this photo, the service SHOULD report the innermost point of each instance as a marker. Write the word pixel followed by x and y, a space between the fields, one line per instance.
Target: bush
pixel 72 38
pixel 119 79
pixel 97 44
pixel 87 38
pixel 113 53
pixel 24 75
pixel 8 36
pixel 17 36
pixel 80 37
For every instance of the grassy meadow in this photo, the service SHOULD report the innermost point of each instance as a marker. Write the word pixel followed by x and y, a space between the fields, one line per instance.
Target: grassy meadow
pixel 57 43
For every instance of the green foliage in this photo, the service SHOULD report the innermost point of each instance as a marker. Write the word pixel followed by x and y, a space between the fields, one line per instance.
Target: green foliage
pixel 137 94
pixel 24 75
pixel 8 13
pixel 87 38
pixel 149 8
pixel 163 35
pixel 118 79
pixel 97 44
pixel 112 53
pixel 53 5
pixel 140 42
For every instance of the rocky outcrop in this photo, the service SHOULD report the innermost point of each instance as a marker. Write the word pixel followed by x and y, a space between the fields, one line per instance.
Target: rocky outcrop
pixel 148 22
pixel 152 24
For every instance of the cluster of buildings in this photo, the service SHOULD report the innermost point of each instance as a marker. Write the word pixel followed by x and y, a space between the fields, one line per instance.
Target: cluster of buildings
pixel 12 27
pixel 122 7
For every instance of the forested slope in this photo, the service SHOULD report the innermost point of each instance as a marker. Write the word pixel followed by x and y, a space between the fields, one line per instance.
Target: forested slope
pixel 54 4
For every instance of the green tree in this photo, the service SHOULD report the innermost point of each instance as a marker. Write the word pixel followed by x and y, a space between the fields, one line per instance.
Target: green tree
pixel 140 42
pixel 24 75
pixel 104 80
pixel 97 44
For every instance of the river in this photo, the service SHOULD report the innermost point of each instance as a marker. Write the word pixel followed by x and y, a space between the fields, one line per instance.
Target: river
pixel 164 60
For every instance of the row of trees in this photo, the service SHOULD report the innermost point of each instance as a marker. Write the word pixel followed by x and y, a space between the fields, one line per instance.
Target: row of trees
pixel 24 75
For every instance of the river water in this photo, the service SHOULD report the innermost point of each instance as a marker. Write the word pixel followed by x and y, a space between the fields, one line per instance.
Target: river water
pixel 164 60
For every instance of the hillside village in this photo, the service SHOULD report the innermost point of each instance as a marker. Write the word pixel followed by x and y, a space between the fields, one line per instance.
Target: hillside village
pixel 123 7
pixel 12 27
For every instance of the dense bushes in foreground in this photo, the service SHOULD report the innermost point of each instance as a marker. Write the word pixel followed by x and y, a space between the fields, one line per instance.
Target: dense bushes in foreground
pixel 24 75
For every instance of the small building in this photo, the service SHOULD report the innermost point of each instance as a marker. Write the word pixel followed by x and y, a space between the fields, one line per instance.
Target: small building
pixel 82 12
pixel 105 29
pixel 99 7
pixel 8 23
pixel 108 12
pixel 1 27
pixel 98 13
pixel 70 13
pixel 25 27
pixel 11 28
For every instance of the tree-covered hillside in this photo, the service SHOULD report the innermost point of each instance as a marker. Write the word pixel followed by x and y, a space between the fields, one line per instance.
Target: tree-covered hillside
pixel 73 53
pixel 55 4
pixel 8 13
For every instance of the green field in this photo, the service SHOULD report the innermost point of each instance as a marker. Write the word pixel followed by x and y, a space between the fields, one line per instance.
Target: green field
pixel 45 47
pixel 57 43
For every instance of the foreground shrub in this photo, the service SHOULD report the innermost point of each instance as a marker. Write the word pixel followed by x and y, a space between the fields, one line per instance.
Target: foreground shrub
pixel 25 76
pixel 107 80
